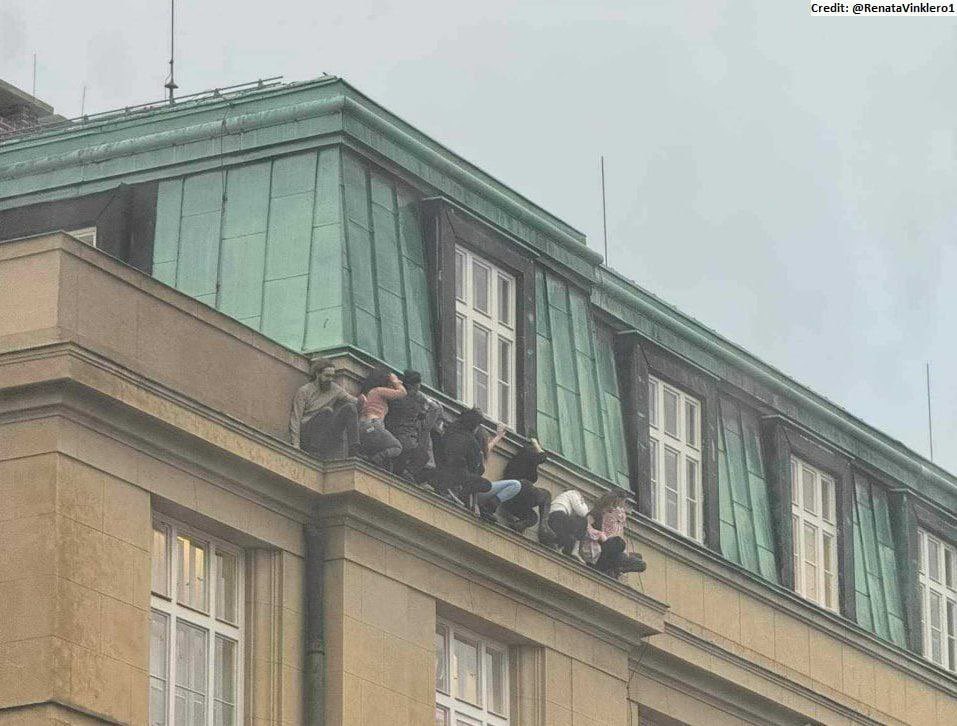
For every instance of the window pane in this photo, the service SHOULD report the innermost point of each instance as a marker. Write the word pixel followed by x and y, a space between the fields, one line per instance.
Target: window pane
pixel 691 494
pixel 796 552
pixel 653 403
pixel 466 655
pixel 810 543
pixel 949 575
pixel 653 466
pixel 226 578
pixel 441 660
pixel 808 490
pixel 504 300
pixel 459 356
pixel 191 669
pixel 671 412
pixel 480 361
pixel 691 424
pixel 480 282
pixel 224 707
pixel 671 488
pixel 160 560
pixel 951 635
pixel 441 716
pixel 159 655
pixel 827 492
pixel 504 377
pixel 495 680
pixel 795 498
pixel 933 560
pixel 192 573
pixel 810 581
pixel 829 578
pixel 460 275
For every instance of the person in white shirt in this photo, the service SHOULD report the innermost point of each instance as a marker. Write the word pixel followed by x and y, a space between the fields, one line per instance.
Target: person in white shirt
pixel 568 519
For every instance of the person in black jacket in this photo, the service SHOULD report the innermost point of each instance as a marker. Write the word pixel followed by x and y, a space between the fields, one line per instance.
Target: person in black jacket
pixel 519 511
pixel 460 459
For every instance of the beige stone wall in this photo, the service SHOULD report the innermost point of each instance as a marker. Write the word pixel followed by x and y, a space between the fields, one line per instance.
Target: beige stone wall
pixel 381 604
pixel 74 581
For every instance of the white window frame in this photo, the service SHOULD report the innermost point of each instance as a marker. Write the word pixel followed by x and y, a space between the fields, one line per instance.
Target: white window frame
pixel 445 692
pixel 684 443
pixel 943 590
pixel 814 534
pixel 167 604
pixel 501 328
pixel 87 235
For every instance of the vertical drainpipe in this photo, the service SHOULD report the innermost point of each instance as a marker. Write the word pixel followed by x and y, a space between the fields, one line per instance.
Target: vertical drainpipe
pixel 315 676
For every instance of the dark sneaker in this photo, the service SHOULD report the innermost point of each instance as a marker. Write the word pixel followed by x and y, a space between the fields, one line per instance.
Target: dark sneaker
pixel 631 563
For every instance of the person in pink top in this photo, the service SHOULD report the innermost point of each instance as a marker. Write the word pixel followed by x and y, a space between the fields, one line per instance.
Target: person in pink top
pixel 603 546
pixel 377 444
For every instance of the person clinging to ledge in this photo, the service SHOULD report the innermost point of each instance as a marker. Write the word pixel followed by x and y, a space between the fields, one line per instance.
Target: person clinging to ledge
pixel 378 388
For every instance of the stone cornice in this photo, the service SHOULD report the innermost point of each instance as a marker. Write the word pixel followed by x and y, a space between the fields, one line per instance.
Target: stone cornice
pixel 687 677
pixel 411 518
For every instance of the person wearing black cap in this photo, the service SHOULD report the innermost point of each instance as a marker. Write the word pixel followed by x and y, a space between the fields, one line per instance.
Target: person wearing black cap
pixel 519 511
pixel 411 420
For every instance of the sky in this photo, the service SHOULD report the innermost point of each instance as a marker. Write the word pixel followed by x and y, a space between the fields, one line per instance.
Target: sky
pixel 787 180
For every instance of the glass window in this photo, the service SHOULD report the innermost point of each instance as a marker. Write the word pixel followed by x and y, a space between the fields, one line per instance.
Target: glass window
pixel 224 708
pixel 159 667
pixel 192 572
pixel 814 529
pixel 485 336
pixel 191 672
pixel 675 468
pixel 938 598
pixel 195 649
pixel 160 560
pixel 226 586
pixel 471 678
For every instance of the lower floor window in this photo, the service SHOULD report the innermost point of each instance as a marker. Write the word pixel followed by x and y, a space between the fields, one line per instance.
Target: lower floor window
pixel 471 678
pixel 195 629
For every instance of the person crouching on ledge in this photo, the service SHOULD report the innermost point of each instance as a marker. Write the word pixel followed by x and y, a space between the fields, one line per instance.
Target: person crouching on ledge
pixel 379 387
pixel 603 546
pixel 323 414
pixel 460 459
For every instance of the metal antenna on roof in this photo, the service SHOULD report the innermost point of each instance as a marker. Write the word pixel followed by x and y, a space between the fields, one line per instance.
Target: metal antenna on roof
pixel 34 75
pixel 171 84
pixel 604 220
pixel 930 425
pixel 83 102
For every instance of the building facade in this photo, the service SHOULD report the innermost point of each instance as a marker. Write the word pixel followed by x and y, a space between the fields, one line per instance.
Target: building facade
pixel 166 556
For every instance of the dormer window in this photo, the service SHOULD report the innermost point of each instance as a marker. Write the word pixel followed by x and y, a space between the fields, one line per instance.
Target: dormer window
pixel 485 336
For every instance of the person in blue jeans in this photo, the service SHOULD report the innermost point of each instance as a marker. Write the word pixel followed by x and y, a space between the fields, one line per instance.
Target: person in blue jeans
pixel 502 490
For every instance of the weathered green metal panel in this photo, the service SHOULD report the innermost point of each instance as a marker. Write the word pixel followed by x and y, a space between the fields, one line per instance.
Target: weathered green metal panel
pixel 579 412
pixel 879 606
pixel 744 509
pixel 269 244
pixel 197 270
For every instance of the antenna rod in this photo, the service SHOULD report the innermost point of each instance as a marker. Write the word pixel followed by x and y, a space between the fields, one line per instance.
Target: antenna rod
pixel 83 102
pixel 930 425
pixel 171 86
pixel 604 221
pixel 34 75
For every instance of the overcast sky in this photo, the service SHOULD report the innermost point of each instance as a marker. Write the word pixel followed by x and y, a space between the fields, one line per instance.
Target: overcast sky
pixel 788 180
